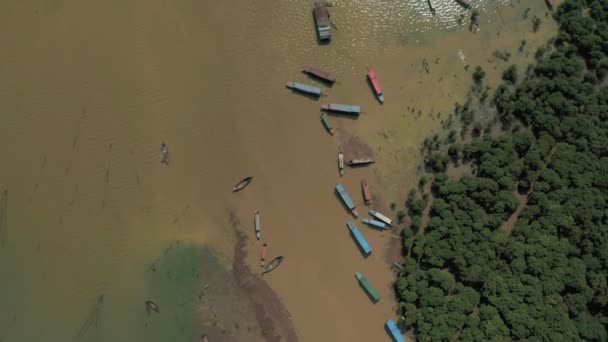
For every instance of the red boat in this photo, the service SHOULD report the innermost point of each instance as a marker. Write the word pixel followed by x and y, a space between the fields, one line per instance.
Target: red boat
pixel 374 81
pixel 366 194
pixel 325 76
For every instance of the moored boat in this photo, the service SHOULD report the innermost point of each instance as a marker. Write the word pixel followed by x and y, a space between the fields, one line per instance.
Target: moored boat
pixel 360 162
pixel 373 294
pixel 240 185
pixel 325 121
pixel 273 264
pixel 394 331
pixel 318 73
pixel 305 88
pixel 359 238
pixel 256 224
pixel 464 3
pixel 342 108
pixel 263 254
pixel 164 153
pixel 431 6
pixel 367 197
pixel 346 199
pixel 151 306
pixel 375 223
pixel 371 75
pixel 341 163
pixel 381 217
pixel 322 20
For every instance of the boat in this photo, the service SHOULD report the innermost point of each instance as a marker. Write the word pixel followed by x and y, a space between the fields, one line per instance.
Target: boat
pixel 375 223
pixel 347 200
pixel 368 287
pixel 360 162
pixel 342 108
pixel 240 185
pixel 305 88
pixel 322 20
pixel 151 306
pixel 256 224
pixel 398 266
pixel 549 4
pixel 363 244
pixel 431 6
pixel 263 254
pixel 367 197
pixel 164 153
pixel 341 163
pixel 371 75
pixel 392 329
pixel 464 3
pixel 381 217
pixel 320 74
pixel 273 264
pixel 325 121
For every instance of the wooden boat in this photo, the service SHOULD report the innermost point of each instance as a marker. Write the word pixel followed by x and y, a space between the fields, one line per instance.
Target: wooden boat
pixel 320 74
pixel 360 162
pixel 341 163
pixel 263 254
pixel 305 88
pixel 367 197
pixel 151 306
pixel 375 224
pixel 381 217
pixel 464 3
pixel 373 294
pixel 322 20
pixel 346 199
pixel 325 121
pixel 164 153
pixel 242 184
pixel 342 108
pixel 359 238
pixel 273 264
pixel 371 75
pixel 394 331
pixel 256 224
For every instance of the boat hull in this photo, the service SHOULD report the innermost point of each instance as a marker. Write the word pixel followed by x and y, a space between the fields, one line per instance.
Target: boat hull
pixel 322 20
pixel 256 224
pixel 360 162
pixel 373 294
pixel 346 199
pixel 371 76
pixel 320 74
pixel 376 224
pixel 364 246
pixel 381 217
pixel 367 197
pixel 273 264
pixel 242 184
pixel 304 88
pixel 342 108
pixel 393 331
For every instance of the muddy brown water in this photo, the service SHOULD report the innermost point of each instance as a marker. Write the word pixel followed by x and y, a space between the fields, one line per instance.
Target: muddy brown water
pixel 89 90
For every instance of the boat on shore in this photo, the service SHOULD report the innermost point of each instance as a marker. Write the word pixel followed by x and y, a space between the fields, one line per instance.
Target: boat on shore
pixel 325 121
pixel 242 184
pixel 464 3
pixel 367 197
pixel 374 223
pixel 359 238
pixel 360 162
pixel 256 224
pixel 304 88
pixel 341 163
pixel 322 20
pixel 371 75
pixel 151 306
pixel 392 329
pixel 373 294
pixel 263 254
pixel 164 154
pixel 273 264
pixel 320 74
pixel 381 217
pixel 346 199
pixel 342 108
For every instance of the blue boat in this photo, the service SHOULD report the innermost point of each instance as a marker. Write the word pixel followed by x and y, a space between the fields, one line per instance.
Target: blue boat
pixel 394 331
pixel 305 88
pixel 363 244
pixel 346 199
pixel 374 223
pixel 342 108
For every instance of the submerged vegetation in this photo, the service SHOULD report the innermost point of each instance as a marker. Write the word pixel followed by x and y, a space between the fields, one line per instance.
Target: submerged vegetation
pixel 517 247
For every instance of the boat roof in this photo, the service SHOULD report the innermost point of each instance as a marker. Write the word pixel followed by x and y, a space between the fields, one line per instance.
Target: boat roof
pixel 319 73
pixel 395 333
pixel 359 237
pixel 304 87
pixel 372 77
pixel 343 107
pixel 321 14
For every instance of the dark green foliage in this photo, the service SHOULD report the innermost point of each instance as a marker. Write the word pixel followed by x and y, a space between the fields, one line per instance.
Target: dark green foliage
pixel 535 23
pixel 510 75
pixel 478 75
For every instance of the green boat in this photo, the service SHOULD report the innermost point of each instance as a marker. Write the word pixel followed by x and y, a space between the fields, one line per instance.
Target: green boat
pixel 326 123
pixel 371 291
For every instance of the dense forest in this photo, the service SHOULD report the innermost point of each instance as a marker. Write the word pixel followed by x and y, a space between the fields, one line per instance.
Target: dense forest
pixel 516 248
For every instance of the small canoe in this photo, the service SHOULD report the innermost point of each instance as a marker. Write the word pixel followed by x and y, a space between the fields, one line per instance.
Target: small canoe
pixel 304 88
pixel 371 75
pixel 151 306
pixel 341 163
pixel 325 121
pixel 381 217
pixel 263 254
pixel 256 224
pixel 164 153
pixel 375 223
pixel 273 264
pixel 360 162
pixel 367 197
pixel 342 108
pixel 242 184
pixel 322 20
pixel 464 3
pixel 318 73
pixel 346 199
pixel 373 294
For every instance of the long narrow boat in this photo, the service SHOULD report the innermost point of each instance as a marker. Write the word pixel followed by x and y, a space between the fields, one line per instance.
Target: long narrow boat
pixel 464 3
pixel 369 288
pixel 431 6
pixel 342 108
pixel 151 306
pixel 273 264
pixel 304 88
pixel 263 253
pixel 242 184
pixel 318 73
pixel 325 121
pixel 367 197
pixel 381 217
pixel 256 224
pixel 363 244
pixel 346 199
pixel 322 20
pixel 360 162
pixel 549 4
pixel 164 153
pixel 375 223
pixel 394 331
pixel 376 85
pixel 341 163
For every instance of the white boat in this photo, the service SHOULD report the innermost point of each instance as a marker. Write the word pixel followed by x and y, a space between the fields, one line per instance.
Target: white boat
pixel 341 163
pixel 381 217
pixel 256 223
